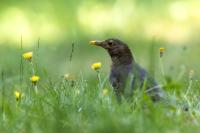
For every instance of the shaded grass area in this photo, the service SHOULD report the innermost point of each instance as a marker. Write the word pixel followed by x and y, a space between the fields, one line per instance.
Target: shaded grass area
pixel 60 106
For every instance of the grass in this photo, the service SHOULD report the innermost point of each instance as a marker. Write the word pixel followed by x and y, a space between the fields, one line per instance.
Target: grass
pixel 83 106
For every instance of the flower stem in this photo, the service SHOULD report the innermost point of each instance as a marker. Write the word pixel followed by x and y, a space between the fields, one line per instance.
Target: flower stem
pixel 21 65
pixel 162 67
pixel 36 89
pixel 99 79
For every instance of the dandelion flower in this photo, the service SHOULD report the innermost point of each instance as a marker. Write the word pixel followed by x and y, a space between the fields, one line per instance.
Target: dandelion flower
pixel 18 95
pixel 28 56
pixel 34 79
pixel 162 50
pixel 96 66
pixel 105 92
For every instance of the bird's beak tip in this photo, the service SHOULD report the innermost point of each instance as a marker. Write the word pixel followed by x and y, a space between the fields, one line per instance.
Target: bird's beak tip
pixel 93 42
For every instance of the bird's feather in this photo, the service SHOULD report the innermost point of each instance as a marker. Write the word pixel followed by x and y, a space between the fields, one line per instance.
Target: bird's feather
pixel 126 75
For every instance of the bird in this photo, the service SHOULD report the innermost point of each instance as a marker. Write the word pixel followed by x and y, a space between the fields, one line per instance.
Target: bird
pixel 126 73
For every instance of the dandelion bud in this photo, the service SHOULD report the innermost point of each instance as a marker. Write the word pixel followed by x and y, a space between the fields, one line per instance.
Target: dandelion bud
pixel 162 50
pixel 18 95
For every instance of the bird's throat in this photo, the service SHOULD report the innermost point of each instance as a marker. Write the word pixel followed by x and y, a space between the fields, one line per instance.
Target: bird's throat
pixel 121 60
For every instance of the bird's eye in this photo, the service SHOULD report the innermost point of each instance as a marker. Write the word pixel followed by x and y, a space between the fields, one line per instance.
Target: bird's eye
pixel 110 43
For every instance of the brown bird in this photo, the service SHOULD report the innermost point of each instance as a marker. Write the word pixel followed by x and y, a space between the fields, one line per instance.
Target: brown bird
pixel 125 73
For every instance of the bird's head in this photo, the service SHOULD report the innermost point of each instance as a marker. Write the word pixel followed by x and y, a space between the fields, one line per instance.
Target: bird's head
pixel 117 49
pixel 110 44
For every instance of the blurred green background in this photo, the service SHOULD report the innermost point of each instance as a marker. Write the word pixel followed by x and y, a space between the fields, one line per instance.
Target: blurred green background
pixel 173 24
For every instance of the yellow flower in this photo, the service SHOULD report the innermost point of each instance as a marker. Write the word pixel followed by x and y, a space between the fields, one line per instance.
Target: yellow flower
pixel 69 77
pixel 162 50
pixel 28 55
pixel 96 66
pixel 105 92
pixel 35 79
pixel 18 95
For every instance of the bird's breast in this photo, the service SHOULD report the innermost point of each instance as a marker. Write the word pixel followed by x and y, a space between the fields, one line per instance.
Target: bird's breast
pixel 119 74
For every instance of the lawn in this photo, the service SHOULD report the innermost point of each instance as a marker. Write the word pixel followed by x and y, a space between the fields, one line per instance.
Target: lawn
pixel 72 97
